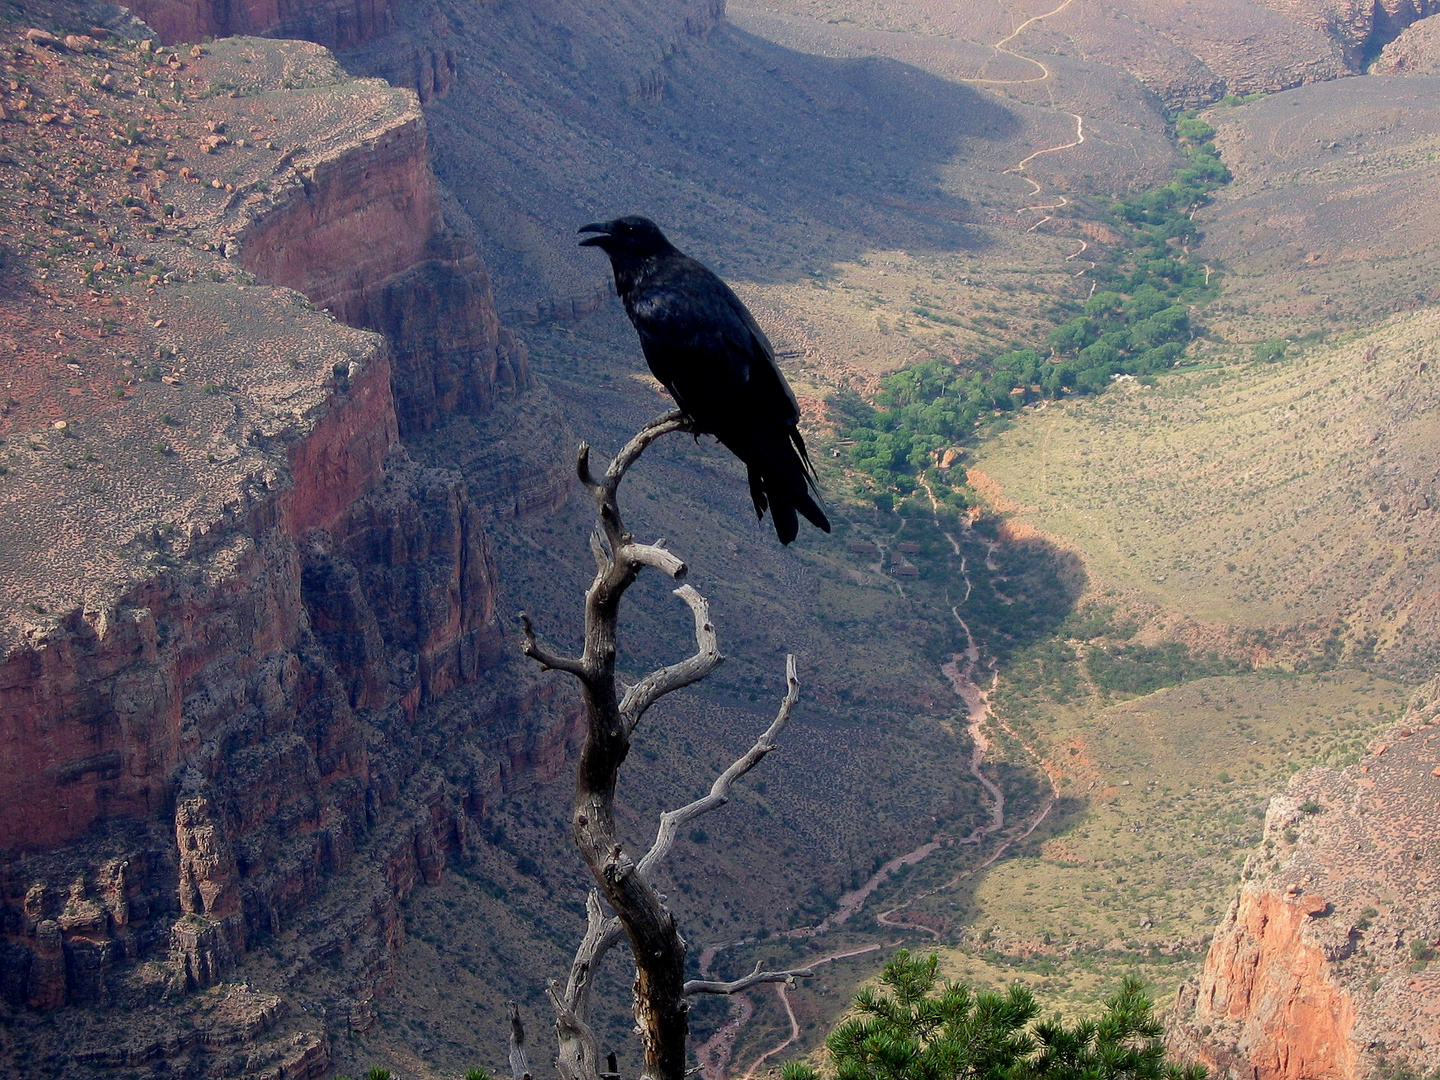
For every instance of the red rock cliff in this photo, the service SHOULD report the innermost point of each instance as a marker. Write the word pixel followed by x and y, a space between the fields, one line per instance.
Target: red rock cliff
pixel 1321 969
pixel 338 24
pixel 1269 987
pixel 366 238
pixel 216 677
pixel 93 710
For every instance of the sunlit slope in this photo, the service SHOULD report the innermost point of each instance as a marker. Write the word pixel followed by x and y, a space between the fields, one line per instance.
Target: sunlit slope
pixel 1162 798
pixel 1330 220
pixel 1185 53
pixel 1299 497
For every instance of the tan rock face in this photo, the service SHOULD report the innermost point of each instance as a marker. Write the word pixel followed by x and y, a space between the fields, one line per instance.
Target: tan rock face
pixel 1272 986
pixel 1318 970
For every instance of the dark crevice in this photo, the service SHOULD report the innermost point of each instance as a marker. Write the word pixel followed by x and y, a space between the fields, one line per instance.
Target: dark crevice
pixel 1385 28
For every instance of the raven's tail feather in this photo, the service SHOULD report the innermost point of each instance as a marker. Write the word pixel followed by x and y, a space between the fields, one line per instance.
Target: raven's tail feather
pixel 785 499
pixel 781 481
pixel 784 503
pixel 813 514
pixel 786 524
pixel 757 492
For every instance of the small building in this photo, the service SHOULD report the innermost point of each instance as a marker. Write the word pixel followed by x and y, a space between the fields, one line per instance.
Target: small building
pixel 909 547
pixel 863 547
pixel 905 569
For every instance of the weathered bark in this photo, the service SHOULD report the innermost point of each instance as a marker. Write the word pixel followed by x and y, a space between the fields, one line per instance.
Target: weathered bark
pixel 519 1063
pixel 640 912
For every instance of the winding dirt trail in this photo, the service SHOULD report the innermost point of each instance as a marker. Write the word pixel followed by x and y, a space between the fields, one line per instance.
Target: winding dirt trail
pixel 1002 48
pixel 716 1052
pixel 781 990
pixel 961 671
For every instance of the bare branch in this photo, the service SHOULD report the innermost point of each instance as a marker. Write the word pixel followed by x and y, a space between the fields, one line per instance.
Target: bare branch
pixel 602 932
pixel 582 467
pixel 712 986
pixel 673 820
pixel 674 420
pixel 519 1064
pixel 537 652
pixel 654 555
pixel 611 714
pixel 579 1052
pixel 672 677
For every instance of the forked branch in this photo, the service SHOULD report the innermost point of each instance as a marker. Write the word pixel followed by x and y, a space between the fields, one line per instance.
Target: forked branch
pixel 612 717
pixel 667 680
pixel 711 986
pixel 672 821
pixel 579 1053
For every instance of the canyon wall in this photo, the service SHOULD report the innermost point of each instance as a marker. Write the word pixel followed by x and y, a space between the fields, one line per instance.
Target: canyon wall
pixel 237 710
pixel 1415 52
pixel 1323 968
pixel 334 23
pixel 1360 27
pixel 368 239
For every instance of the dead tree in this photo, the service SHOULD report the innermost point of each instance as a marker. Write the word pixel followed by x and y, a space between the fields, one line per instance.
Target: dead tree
pixel 613 712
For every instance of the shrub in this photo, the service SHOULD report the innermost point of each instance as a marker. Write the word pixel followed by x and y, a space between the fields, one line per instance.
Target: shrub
pixel 909 1030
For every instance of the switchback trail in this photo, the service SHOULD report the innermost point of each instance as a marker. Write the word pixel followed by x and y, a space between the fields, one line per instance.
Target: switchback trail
pixel 961 671
pixel 1002 47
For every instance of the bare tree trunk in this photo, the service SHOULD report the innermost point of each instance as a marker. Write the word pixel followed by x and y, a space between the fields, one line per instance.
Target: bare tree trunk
pixel 519 1062
pixel 640 912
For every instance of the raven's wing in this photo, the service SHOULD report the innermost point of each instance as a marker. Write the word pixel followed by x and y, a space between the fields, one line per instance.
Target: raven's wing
pixel 705 346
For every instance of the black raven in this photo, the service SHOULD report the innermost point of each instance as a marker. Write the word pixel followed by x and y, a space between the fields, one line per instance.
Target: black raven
pixel 708 351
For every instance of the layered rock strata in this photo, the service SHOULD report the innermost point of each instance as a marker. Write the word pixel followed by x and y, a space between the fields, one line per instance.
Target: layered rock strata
pixel 334 23
pixel 231 604
pixel 1324 968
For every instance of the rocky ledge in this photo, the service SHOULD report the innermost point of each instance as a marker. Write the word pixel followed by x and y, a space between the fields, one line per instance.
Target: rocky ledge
pixel 229 602
pixel 1324 968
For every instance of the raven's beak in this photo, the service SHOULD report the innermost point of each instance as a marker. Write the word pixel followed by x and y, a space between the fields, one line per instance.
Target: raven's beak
pixel 596 227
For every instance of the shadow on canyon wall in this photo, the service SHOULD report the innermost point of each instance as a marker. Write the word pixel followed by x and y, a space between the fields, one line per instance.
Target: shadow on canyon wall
pixel 771 162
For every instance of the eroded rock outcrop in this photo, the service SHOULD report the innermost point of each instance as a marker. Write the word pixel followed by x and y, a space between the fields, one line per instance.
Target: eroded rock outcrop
pixel 1415 52
pixel 335 23
pixel 366 237
pixel 224 651
pixel 1322 968
pixel 1360 27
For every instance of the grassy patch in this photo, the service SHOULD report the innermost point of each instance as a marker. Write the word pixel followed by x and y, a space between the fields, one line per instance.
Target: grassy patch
pixel 1260 496
pixel 1162 799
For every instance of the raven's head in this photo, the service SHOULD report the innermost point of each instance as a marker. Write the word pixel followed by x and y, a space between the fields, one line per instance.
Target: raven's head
pixel 633 235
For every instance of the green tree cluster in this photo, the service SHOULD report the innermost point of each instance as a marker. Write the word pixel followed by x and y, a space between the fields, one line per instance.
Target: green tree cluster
pixel 911 1031
pixel 1143 669
pixel 1138 324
